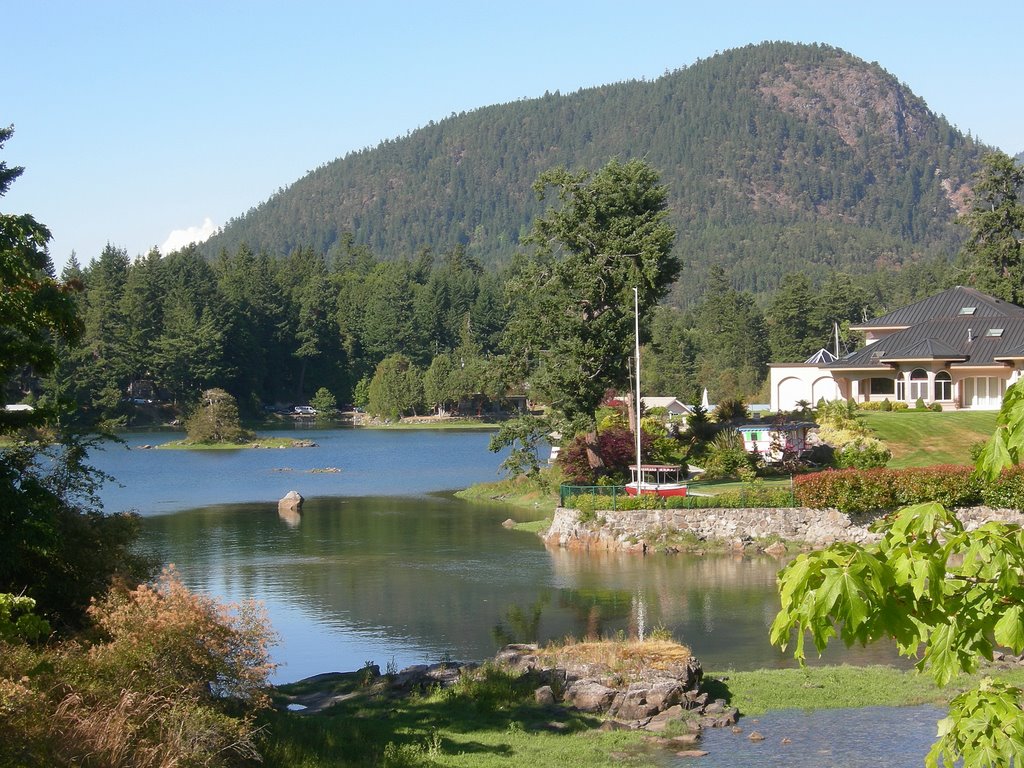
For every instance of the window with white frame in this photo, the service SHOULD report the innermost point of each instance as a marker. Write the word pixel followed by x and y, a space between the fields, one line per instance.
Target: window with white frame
pixel 943 386
pixel 919 384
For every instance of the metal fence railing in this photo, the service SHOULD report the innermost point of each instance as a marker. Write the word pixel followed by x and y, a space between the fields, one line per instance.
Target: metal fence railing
pixel 566 492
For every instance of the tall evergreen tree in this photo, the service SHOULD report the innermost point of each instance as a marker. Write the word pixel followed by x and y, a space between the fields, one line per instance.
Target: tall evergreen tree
pixel 793 333
pixel 572 328
pixel 732 341
pixel 995 246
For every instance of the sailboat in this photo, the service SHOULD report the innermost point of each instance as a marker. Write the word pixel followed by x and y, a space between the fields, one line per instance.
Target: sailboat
pixel 653 479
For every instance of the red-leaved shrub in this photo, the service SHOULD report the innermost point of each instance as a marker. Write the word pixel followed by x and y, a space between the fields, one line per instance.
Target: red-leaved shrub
pixel 615 446
pixel 857 490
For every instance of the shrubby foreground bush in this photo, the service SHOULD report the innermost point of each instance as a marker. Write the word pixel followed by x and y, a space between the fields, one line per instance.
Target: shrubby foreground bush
pixel 166 678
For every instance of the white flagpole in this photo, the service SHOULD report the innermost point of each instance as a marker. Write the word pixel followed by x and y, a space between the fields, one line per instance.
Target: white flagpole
pixel 636 320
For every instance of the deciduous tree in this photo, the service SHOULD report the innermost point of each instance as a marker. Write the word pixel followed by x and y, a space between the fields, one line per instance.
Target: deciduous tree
pixel 58 548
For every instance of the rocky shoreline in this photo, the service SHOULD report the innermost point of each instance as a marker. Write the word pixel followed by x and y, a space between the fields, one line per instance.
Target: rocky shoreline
pixel 654 698
pixel 744 530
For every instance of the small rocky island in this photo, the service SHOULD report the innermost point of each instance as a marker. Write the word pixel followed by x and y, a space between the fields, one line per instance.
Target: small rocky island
pixel 653 686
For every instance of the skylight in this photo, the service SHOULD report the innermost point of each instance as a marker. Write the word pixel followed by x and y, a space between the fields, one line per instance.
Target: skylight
pixel 996 332
pixel 967 310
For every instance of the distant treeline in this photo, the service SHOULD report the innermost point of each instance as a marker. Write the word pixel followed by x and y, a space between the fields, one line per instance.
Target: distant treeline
pixel 275 330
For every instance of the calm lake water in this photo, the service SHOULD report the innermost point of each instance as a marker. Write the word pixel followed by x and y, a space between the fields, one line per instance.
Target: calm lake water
pixel 872 737
pixel 386 566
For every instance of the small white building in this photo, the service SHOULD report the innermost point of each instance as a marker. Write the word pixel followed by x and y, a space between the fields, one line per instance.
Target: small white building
pixel 677 410
pixel 773 440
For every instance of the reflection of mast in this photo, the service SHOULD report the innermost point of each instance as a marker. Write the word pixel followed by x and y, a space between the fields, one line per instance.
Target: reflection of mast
pixel 639 611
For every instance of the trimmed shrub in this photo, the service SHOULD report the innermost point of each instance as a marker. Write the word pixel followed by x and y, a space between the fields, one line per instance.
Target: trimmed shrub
pixel 919 405
pixel 1008 491
pixel 886 405
pixel 855 490
pixel 756 495
pixel 865 453
pixel 937 407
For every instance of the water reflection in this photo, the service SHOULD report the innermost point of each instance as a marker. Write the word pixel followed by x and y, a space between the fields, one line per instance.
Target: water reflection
pixel 414 580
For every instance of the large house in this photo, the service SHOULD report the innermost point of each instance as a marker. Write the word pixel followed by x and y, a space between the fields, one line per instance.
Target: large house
pixel 960 348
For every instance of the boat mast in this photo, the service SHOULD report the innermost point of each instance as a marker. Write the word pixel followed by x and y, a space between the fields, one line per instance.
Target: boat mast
pixel 636 321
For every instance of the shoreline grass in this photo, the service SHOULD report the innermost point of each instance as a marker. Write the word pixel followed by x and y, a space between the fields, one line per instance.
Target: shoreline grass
pixel 255 444
pixel 453 424
pixel 841 687
pixel 522 492
pixel 493 720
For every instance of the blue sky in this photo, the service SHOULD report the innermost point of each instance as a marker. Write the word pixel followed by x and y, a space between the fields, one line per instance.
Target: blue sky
pixel 137 119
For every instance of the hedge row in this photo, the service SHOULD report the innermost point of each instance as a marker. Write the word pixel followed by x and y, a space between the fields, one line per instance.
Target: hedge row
pixel 756 497
pixel 848 490
pixel 854 490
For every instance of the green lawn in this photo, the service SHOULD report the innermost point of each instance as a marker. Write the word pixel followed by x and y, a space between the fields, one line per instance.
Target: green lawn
pixel 923 438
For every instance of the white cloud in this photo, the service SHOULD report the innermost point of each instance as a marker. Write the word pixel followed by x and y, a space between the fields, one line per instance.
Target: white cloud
pixel 179 238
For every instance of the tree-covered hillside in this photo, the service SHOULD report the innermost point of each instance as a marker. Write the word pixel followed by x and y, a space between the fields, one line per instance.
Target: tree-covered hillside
pixel 778 157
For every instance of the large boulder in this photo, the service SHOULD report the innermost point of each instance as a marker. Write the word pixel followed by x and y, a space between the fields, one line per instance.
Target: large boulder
pixel 289 508
pixel 590 696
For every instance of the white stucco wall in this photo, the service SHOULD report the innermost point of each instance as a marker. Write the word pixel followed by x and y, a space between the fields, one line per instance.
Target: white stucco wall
pixel 792 383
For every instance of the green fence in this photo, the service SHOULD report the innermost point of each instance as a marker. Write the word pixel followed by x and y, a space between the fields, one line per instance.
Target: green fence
pixel 566 491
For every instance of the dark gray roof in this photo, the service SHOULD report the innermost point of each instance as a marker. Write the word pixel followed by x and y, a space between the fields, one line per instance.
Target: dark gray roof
pixel 960 340
pixel 957 301
pixel 933 349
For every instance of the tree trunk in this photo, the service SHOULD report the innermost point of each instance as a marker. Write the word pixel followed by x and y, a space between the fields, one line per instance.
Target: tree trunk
pixel 593 457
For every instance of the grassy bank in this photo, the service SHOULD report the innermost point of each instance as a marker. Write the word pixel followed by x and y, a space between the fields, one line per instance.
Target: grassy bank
pixel 924 438
pixel 491 722
pixel 520 492
pixel 431 423
pixel 256 442
pixel 494 721
pixel 836 687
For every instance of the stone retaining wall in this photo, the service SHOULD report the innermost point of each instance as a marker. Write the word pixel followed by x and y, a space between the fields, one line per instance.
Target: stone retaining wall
pixel 635 530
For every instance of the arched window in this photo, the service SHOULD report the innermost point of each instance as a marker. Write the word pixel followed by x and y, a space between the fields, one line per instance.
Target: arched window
pixel 943 386
pixel 918 384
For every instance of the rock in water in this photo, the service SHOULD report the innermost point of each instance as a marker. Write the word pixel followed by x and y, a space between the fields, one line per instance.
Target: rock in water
pixel 290 507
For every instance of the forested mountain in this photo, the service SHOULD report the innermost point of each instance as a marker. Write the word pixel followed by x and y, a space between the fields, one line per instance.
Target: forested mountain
pixel 778 158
